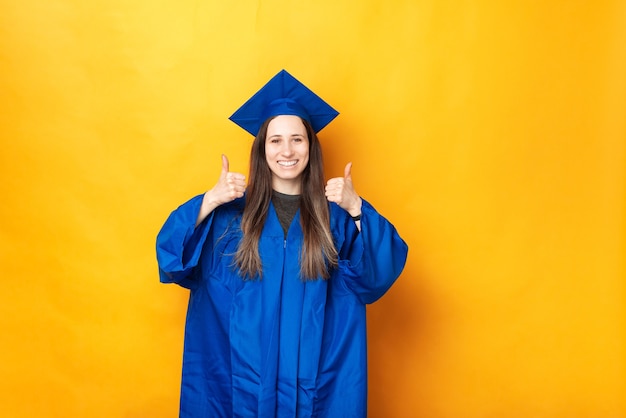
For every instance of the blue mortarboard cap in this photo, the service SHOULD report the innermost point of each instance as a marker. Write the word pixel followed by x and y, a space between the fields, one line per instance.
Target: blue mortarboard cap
pixel 283 95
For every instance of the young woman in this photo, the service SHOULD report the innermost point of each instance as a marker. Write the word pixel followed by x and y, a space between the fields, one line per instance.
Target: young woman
pixel 280 270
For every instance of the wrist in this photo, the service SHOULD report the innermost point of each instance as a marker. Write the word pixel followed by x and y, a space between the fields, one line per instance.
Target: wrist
pixel 209 202
pixel 355 210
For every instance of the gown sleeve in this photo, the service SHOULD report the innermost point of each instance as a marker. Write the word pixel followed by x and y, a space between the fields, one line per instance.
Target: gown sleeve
pixel 179 244
pixel 371 260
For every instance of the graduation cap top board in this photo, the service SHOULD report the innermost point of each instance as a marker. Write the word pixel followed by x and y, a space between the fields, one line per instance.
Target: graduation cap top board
pixel 283 95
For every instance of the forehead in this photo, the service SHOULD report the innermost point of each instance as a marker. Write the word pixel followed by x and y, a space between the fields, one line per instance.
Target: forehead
pixel 286 125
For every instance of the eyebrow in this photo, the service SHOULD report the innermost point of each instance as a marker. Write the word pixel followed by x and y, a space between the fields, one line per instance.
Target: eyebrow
pixel 291 136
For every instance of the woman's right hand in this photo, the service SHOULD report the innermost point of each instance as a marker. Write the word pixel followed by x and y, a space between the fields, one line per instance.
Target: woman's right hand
pixel 229 187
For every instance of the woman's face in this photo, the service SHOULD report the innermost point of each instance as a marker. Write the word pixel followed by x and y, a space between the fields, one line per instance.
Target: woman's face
pixel 286 152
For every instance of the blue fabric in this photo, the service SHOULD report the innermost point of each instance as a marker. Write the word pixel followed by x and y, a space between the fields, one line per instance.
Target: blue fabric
pixel 277 346
pixel 283 94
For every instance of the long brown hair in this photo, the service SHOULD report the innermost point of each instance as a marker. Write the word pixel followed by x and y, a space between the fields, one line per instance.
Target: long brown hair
pixel 318 254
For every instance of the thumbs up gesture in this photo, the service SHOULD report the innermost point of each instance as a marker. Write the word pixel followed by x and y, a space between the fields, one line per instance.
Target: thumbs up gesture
pixel 341 191
pixel 229 186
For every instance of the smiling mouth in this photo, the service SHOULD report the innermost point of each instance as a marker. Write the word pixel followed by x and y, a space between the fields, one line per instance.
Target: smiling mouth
pixel 287 163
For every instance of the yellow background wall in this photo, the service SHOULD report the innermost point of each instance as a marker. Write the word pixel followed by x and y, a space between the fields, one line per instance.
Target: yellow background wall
pixel 491 133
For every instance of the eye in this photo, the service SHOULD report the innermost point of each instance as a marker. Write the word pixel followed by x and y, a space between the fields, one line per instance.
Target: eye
pixel 297 139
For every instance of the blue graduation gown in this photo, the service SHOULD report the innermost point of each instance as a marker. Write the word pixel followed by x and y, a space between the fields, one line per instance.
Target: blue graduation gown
pixel 276 346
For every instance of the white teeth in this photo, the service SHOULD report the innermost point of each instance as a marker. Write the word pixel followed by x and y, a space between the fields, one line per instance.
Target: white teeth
pixel 287 163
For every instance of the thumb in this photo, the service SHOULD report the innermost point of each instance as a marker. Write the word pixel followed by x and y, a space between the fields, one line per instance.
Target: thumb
pixel 347 172
pixel 224 164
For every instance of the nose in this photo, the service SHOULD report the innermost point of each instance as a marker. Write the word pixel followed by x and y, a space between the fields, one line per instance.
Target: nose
pixel 287 148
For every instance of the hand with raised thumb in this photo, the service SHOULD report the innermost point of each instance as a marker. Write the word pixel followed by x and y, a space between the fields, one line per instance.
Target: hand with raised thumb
pixel 229 187
pixel 341 191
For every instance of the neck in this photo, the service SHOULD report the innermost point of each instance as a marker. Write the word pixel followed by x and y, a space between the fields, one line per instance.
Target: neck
pixel 292 188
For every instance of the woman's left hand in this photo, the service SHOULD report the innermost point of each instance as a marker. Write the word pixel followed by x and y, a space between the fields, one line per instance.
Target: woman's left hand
pixel 341 191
